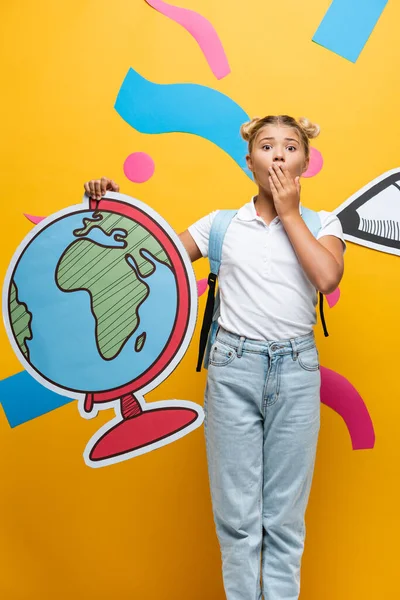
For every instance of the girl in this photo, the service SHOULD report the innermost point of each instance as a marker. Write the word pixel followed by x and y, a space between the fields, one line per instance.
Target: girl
pixel 262 399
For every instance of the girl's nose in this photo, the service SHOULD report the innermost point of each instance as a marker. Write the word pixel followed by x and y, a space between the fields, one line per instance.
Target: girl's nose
pixel 279 157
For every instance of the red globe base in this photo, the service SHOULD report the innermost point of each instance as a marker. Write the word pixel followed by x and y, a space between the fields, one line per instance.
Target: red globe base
pixel 142 430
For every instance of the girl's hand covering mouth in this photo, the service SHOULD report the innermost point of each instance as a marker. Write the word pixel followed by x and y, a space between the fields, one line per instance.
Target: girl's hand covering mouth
pixel 285 190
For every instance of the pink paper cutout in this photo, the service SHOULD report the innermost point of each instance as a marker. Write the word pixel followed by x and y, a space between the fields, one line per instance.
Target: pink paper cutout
pixel 33 219
pixel 202 31
pixel 333 298
pixel 340 395
pixel 139 167
pixel 201 286
pixel 316 163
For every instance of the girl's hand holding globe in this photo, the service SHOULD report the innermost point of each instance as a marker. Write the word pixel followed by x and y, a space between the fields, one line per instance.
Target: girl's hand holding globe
pixel 97 188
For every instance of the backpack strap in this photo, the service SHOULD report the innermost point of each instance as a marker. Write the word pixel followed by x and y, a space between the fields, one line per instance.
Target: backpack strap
pixel 219 227
pixel 218 230
pixel 321 314
pixel 313 221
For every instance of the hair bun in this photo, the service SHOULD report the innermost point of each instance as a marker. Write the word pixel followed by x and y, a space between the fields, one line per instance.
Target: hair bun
pixel 310 129
pixel 247 129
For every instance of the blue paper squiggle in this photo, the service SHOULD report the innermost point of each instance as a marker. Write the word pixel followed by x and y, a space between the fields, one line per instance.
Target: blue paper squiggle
pixel 183 107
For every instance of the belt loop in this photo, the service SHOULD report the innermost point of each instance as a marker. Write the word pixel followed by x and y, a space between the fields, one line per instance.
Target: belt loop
pixel 295 353
pixel 240 347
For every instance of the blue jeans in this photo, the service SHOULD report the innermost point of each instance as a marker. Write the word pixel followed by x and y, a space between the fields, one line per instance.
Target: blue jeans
pixel 262 422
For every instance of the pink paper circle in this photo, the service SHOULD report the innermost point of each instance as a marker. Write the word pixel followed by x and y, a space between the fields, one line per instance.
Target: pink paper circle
pixel 139 167
pixel 316 163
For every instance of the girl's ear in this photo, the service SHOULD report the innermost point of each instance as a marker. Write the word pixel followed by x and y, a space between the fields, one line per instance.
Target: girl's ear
pixel 249 163
pixel 306 165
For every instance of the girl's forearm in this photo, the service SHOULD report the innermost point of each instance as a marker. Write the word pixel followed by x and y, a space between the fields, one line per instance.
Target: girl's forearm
pixel 319 264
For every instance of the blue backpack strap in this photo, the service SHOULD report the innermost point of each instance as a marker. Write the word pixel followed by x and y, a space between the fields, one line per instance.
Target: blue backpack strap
pixel 313 221
pixel 218 230
pixel 219 226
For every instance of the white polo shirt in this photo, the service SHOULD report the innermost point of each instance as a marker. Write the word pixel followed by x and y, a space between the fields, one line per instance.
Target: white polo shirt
pixel 265 293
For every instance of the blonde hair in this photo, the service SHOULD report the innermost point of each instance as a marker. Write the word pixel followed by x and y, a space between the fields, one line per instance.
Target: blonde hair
pixel 306 129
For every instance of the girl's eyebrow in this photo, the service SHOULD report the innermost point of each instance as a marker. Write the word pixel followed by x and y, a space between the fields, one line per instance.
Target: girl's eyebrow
pixel 286 139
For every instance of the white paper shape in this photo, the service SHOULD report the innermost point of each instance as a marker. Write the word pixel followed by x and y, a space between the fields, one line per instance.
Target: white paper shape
pixel 371 216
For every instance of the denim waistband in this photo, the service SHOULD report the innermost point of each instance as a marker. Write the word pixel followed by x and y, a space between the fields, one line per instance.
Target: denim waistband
pixel 242 344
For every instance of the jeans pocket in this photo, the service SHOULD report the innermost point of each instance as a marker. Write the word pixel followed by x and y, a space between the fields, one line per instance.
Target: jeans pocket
pixel 308 359
pixel 221 354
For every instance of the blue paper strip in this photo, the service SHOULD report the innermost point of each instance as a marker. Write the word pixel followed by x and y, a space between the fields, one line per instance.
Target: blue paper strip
pixel 23 398
pixel 183 107
pixel 347 26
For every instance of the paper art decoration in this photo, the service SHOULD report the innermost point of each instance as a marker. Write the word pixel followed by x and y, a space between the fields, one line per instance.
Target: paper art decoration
pixel 340 395
pixel 202 31
pixel 23 398
pixel 347 25
pixel 316 163
pixel 139 167
pixel 34 219
pixel 371 216
pixel 202 285
pixel 333 298
pixel 183 107
pixel 100 304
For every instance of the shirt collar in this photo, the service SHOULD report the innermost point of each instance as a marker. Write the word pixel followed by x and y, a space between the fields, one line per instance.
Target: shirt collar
pixel 248 211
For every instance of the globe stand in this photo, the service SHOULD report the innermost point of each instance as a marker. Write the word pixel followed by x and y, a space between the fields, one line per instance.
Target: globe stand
pixel 139 428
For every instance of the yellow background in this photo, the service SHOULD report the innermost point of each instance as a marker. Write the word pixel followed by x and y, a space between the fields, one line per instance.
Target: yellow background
pixel 143 529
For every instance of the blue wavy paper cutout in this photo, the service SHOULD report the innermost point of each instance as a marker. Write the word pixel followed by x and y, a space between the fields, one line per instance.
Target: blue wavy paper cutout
pixel 23 398
pixel 186 108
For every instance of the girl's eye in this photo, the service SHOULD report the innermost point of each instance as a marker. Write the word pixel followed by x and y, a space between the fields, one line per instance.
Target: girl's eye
pixel 267 146
pixel 292 148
